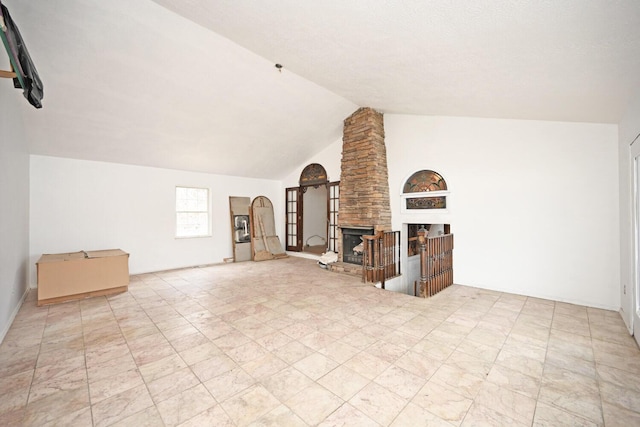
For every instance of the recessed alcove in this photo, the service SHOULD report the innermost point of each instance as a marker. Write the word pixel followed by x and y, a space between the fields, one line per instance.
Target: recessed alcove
pixel 432 231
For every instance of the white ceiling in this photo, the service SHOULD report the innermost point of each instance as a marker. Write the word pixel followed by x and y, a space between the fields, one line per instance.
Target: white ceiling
pixel 133 82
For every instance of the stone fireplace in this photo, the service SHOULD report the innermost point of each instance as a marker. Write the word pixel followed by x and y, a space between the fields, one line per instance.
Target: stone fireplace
pixel 364 181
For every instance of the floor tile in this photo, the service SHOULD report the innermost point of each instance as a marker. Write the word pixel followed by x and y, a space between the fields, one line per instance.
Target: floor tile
pixel 246 352
pixel 507 402
pixel 65 381
pixel 55 406
pixel 572 392
pixel 343 382
pixel 387 351
pixel 482 415
pixel 571 363
pixel 514 380
pixel 315 365
pixel 458 380
pixel 15 391
pixel 111 367
pixel 293 352
pixel 247 407
pixel 619 377
pixel 280 416
pixel 191 347
pixel 214 416
pixel 522 364
pixel 470 363
pixel 149 417
pixel 414 415
pixel 619 417
pixel 16 360
pixel 121 406
pixel 264 367
pixel 620 396
pixel 378 403
pixel 150 348
pixel 481 351
pixel 571 324
pixel 339 351
pixel 99 356
pixel 229 383
pixel 401 382
pixel 446 404
pixel 287 383
pixel 199 353
pixel 172 384
pixel 367 365
pixel 549 415
pixel 314 404
pixel 274 340
pixel 160 368
pixel 185 405
pixel 81 417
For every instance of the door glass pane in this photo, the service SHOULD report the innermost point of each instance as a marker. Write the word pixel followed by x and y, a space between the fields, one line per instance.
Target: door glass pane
pixel 292 216
pixel 334 194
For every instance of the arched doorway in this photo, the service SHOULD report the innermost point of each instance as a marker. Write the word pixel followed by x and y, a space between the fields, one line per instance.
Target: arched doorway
pixel 312 212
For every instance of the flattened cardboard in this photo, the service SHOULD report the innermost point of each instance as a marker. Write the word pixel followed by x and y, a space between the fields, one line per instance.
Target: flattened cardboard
pixel 76 275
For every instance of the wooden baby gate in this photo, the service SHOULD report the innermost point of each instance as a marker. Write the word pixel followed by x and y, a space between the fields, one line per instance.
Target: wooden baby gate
pixel 381 257
pixel 436 263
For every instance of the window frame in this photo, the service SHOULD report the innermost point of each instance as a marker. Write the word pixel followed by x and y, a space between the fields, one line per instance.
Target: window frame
pixel 178 212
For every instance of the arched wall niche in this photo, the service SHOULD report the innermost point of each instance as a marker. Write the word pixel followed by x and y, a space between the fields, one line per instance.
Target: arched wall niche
pixel 313 175
pixel 424 190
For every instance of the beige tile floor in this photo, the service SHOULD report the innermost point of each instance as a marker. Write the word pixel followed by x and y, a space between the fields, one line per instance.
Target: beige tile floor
pixel 285 343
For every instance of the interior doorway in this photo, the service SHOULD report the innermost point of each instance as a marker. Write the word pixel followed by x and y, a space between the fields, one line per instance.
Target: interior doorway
pixel 314 220
pixel 311 212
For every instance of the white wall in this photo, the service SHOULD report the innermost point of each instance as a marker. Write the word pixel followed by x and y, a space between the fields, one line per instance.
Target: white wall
pixel 329 158
pixel 628 128
pixel 14 203
pixel 84 205
pixel 534 205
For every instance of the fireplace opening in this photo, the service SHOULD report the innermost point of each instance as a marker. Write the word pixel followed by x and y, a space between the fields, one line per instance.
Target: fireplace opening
pixel 351 244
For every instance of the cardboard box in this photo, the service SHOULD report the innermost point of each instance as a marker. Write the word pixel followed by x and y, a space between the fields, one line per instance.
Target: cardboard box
pixel 77 275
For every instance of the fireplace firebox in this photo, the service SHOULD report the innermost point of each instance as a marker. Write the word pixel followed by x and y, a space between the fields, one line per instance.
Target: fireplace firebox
pixel 351 244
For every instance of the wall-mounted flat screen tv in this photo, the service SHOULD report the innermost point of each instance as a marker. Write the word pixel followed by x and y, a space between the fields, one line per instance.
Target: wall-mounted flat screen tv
pixel 26 77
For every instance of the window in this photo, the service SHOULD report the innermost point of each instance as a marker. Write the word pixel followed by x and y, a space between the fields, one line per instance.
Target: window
pixel 424 190
pixel 192 212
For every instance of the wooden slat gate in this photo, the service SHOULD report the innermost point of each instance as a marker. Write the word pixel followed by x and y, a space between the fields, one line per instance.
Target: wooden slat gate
pixel 436 263
pixel 381 257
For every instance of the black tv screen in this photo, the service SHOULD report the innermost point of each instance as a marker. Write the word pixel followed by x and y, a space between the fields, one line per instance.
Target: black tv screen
pixel 27 77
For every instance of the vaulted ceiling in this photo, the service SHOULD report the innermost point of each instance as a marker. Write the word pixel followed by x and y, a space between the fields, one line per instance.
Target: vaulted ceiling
pixel 192 84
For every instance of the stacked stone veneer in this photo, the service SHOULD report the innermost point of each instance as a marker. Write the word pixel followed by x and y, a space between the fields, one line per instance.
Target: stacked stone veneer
pixel 364 179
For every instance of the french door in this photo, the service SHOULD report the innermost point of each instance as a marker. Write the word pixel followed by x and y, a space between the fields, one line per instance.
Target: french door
pixel 333 200
pixel 294 215
pixel 293 200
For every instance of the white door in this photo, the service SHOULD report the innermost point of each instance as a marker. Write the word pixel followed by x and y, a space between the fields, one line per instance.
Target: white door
pixel 635 155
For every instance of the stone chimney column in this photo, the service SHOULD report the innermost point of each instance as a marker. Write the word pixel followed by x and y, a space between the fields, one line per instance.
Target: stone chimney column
pixel 364 179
